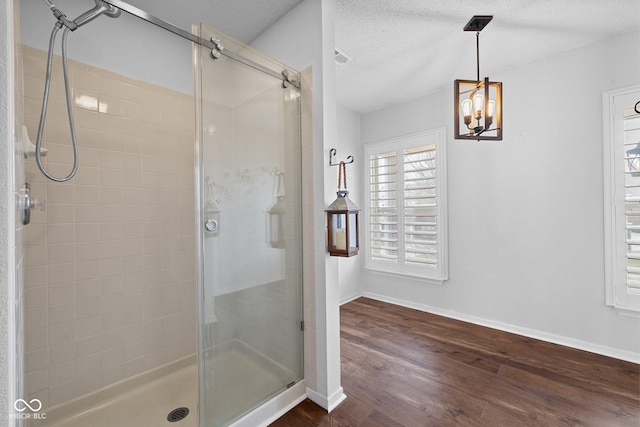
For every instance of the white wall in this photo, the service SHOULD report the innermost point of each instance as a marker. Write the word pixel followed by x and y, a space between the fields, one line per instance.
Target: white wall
pixel 305 38
pixel 125 45
pixel 526 215
pixel 348 143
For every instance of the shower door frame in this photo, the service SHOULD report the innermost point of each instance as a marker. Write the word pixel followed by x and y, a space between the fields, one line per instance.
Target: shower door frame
pixel 295 392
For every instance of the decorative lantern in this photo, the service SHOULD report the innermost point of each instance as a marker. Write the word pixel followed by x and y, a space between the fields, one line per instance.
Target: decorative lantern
pixel 477 103
pixel 343 221
pixel 276 217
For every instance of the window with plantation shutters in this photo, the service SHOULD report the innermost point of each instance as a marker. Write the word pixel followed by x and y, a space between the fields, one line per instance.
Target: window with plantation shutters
pixel 622 198
pixel 406 206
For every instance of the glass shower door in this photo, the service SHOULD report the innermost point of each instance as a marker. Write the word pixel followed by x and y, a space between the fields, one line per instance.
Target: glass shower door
pixel 250 233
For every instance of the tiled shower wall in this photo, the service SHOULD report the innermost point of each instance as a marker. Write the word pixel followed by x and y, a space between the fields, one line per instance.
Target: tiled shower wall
pixel 110 262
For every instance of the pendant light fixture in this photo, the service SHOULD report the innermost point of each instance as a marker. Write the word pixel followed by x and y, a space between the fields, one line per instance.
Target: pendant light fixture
pixel 478 103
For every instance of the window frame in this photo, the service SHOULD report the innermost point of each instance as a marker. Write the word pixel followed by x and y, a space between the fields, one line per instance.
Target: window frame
pixel 437 137
pixel 617 293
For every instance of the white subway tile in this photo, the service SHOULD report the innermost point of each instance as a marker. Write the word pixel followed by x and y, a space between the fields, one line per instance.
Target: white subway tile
pixel 61 333
pixel 87 195
pixel 35 318
pixel 60 233
pixel 86 270
pixel 61 293
pixel 88 346
pixel 62 353
pixel 62 313
pixel 60 273
pixel 110 303
pixel 88 307
pixel 60 254
pixel 88 326
pixel 37 360
pixel 112 321
pixel 37 380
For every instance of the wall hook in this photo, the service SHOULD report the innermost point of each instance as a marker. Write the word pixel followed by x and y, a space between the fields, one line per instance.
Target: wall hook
pixel 332 153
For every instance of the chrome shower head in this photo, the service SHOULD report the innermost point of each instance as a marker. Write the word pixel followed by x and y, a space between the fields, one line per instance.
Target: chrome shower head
pixel 101 8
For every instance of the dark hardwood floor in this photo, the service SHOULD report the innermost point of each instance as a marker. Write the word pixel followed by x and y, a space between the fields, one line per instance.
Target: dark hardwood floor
pixel 402 367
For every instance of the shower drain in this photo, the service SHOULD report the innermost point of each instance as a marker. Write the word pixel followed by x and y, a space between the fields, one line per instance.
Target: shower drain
pixel 177 414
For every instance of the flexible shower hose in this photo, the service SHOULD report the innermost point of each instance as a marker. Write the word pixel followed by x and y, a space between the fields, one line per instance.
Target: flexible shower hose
pixel 45 100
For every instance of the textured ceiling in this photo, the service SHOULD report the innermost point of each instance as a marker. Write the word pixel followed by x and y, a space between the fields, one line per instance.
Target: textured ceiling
pixel 403 49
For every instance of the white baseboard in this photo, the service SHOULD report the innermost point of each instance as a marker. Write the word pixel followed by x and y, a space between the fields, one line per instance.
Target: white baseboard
pixel 345 300
pixel 506 327
pixel 329 403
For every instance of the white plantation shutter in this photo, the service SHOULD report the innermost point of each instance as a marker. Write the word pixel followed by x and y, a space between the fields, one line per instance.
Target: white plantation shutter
pixel 420 206
pixel 405 213
pixel 383 235
pixel 632 199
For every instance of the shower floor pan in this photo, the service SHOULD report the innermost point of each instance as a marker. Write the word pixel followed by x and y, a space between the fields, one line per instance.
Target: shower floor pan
pixel 147 400
pixel 144 400
pixel 243 379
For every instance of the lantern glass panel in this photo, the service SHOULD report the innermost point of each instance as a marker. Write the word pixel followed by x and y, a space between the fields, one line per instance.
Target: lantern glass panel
pixel 339 231
pixel 353 230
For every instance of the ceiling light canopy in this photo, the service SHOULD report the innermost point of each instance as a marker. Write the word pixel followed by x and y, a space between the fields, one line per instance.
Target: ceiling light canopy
pixel 478 103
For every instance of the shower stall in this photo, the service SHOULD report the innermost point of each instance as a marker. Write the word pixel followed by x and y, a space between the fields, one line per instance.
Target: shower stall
pixel 163 279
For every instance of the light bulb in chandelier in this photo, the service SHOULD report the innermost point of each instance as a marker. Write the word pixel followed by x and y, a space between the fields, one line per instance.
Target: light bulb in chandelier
pixel 491 111
pixel 466 105
pixel 478 105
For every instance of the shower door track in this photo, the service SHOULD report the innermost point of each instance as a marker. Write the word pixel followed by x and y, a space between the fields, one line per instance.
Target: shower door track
pixel 132 10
